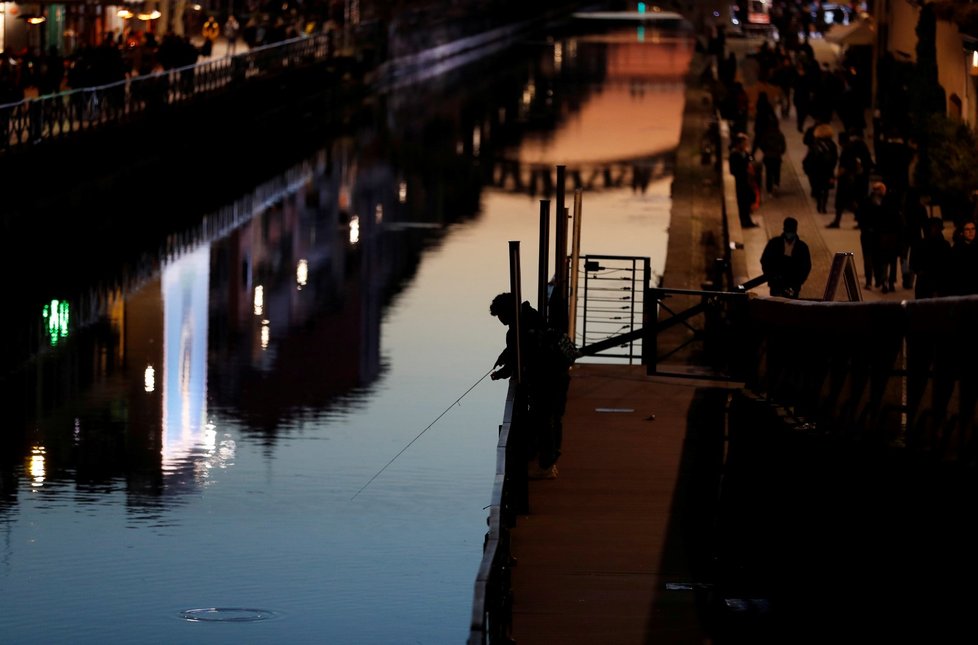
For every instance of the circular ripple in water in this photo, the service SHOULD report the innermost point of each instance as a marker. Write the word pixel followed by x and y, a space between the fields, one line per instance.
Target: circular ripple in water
pixel 226 615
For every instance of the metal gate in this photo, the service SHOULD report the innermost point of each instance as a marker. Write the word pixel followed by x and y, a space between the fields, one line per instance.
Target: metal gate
pixel 611 302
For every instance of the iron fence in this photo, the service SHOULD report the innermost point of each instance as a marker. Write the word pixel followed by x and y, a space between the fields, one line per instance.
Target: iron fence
pixel 57 116
pixel 611 303
pixel 492 600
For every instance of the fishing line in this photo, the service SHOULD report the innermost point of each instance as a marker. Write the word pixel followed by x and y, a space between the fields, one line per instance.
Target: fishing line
pixel 377 474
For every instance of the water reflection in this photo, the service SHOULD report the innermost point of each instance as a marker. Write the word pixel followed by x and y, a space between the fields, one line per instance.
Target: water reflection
pixel 36 467
pixel 229 391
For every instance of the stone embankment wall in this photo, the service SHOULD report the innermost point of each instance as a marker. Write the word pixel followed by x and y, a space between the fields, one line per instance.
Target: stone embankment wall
pixel 696 227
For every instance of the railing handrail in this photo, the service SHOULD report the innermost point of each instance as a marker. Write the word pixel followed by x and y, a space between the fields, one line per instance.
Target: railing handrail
pixel 490 609
pixel 596 311
pixel 56 115
pixel 897 374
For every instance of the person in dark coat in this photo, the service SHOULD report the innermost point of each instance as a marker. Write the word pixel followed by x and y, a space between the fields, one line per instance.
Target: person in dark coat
pixel 772 144
pixel 916 227
pixel 741 163
pixel 964 262
pixel 786 261
pixel 736 108
pixel 877 218
pixel 889 236
pixel 930 259
pixel 765 117
pixel 544 382
pixel 852 176
pixel 819 163
pixel 802 93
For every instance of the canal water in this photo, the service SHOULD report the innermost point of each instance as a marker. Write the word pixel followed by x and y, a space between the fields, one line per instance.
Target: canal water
pixel 277 425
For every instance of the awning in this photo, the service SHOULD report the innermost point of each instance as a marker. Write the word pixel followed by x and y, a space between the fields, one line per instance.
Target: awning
pixel 858 32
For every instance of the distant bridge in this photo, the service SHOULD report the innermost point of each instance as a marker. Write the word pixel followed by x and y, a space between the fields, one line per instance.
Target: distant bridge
pixel 539 178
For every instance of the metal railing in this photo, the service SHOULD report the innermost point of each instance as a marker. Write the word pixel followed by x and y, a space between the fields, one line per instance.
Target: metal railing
pixel 492 602
pixel 55 116
pixel 611 303
pixel 892 374
pixel 695 333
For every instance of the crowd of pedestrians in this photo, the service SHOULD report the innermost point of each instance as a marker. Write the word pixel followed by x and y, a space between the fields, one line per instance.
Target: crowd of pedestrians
pixel 136 52
pixel 902 246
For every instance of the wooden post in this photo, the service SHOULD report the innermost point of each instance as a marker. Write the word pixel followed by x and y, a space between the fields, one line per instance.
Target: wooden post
pixel 544 256
pixel 514 288
pixel 557 316
pixel 518 445
pixel 575 260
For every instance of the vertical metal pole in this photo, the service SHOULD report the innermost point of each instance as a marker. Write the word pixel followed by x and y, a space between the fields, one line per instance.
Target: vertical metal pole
pixel 587 282
pixel 650 336
pixel 631 312
pixel 514 288
pixel 544 256
pixel 649 318
pixel 517 447
pixel 574 264
pixel 558 317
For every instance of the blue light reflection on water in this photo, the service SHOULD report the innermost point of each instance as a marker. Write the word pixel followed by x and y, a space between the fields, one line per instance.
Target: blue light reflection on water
pixel 277 529
pixel 250 520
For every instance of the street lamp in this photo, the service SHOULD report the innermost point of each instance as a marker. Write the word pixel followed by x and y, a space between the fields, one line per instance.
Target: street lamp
pixel 35 37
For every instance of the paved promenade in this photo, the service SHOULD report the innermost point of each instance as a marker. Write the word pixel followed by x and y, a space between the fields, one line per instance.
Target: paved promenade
pixel 610 550
pixel 601 556
pixel 795 200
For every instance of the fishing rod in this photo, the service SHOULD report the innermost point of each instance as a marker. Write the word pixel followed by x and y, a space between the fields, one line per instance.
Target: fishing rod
pixel 377 474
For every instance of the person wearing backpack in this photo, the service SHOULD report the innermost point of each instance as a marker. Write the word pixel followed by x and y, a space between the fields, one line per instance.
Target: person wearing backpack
pixel 741 167
pixel 545 378
pixel 852 178
pixel 771 142
pixel 819 164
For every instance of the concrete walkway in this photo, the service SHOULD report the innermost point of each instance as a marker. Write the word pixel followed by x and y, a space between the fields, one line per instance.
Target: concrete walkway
pixel 610 551
pixel 616 549
pixel 600 557
pixel 794 200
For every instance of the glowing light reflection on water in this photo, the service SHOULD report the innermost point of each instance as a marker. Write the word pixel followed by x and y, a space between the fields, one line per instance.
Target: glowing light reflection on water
pixel 214 481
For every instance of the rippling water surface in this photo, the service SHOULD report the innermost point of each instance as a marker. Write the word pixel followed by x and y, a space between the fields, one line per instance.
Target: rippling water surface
pixel 202 435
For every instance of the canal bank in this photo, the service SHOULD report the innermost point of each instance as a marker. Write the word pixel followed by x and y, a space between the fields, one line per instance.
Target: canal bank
pixel 701 512
pixel 617 548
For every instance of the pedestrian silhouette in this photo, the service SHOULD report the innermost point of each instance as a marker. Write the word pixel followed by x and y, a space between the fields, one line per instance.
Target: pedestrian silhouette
pixel 964 261
pixel 210 32
pixel 742 168
pixel 878 221
pixel 543 380
pixel 772 144
pixel 930 259
pixel 819 163
pixel 231 29
pixel 786 261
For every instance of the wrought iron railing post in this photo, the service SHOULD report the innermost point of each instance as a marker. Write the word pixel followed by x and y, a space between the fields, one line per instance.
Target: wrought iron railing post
pixel 650 337
pixel 57 115
pixel 544 256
